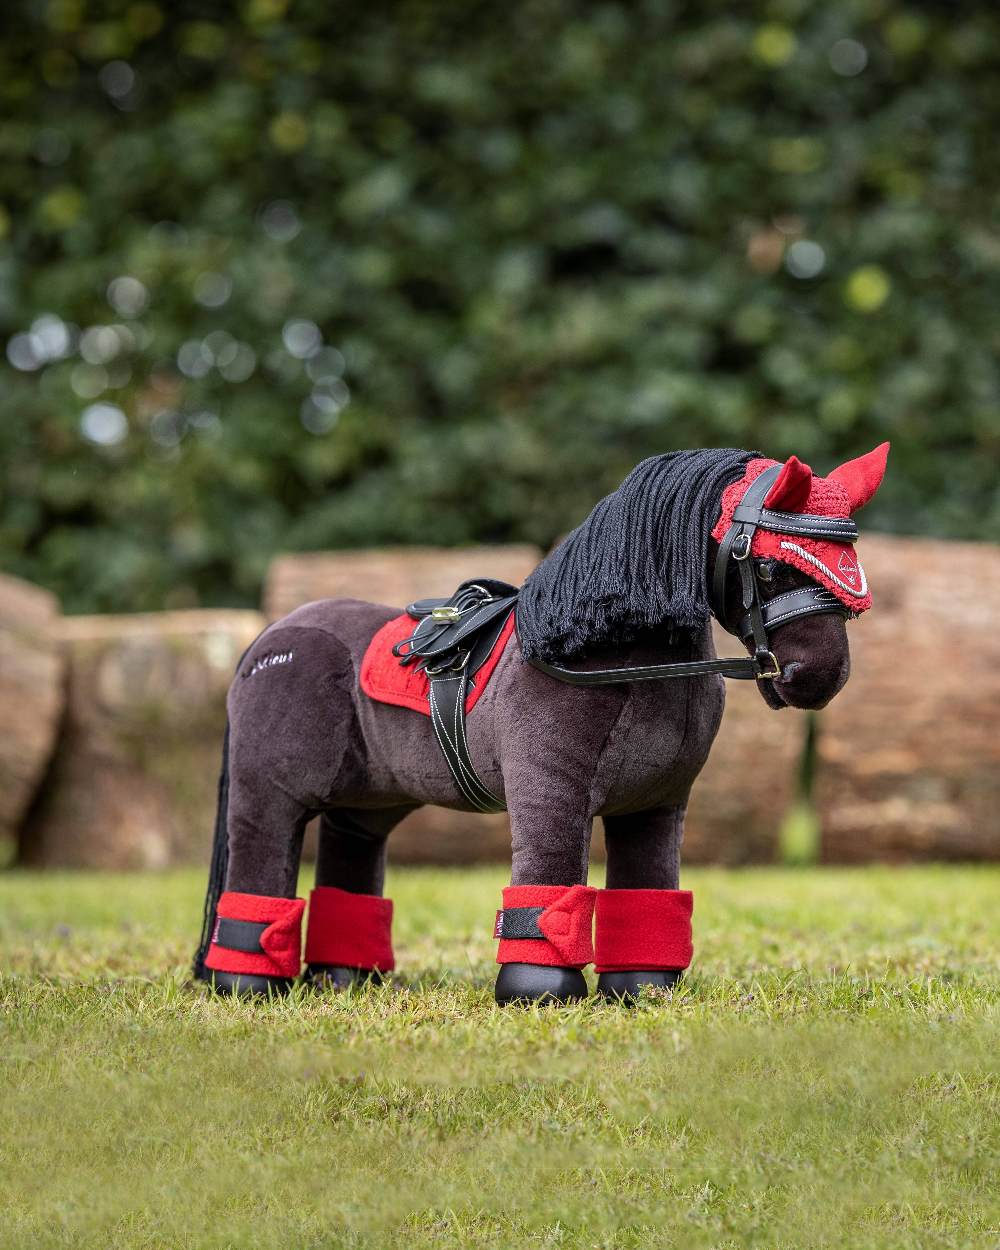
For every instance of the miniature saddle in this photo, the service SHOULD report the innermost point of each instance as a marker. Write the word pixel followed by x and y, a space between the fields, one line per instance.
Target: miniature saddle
pixel 441 666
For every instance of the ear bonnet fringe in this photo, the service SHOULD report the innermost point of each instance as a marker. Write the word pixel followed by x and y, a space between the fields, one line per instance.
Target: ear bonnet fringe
pixel 637 562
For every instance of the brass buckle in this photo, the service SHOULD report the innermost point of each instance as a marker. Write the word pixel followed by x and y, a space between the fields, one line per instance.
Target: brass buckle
pixel 445 613
pixel 776 667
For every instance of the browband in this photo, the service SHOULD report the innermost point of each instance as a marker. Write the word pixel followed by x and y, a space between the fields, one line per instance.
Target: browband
pixel 804 524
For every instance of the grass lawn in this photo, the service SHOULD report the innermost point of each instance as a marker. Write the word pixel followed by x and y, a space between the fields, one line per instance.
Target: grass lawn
pixel 828 1075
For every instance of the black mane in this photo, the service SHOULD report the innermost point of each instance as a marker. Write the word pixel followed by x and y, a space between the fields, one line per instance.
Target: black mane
pixel 637 562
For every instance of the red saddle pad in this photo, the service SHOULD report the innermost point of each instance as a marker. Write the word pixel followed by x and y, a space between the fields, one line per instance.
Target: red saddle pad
pixel 385 680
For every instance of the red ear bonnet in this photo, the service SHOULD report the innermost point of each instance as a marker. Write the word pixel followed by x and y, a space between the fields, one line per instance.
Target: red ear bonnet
pixel 861 478
pixel 796 489
pixel 790 493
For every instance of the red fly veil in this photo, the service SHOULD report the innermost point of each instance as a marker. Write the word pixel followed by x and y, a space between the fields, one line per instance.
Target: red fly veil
pixel 832 564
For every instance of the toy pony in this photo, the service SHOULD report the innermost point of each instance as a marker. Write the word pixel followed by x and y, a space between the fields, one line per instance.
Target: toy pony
pixel 594 690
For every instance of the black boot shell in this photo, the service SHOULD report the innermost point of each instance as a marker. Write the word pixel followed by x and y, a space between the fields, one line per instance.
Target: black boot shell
pixel 625 986
pixel 539 983
pixel 248 984
pixel 336 977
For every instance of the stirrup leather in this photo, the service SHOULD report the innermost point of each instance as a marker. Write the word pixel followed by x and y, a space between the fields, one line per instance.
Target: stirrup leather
pixel 452 640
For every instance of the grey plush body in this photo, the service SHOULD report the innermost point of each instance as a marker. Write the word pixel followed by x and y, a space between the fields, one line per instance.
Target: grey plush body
pixel 627 587
pixel 304 739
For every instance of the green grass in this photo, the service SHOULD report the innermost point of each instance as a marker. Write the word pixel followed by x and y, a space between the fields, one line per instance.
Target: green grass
pixel 826 1076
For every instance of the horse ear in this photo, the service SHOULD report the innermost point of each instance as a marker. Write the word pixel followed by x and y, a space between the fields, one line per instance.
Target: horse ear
pixel 861 478
pixel 790 492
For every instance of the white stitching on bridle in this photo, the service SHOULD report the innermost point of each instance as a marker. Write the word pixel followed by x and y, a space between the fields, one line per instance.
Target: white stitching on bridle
pixel 818 563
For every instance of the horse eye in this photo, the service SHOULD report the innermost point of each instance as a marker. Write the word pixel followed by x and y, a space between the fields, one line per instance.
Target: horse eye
pixel 765 570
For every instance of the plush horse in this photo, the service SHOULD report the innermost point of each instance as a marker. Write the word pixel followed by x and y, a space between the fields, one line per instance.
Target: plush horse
pixel 594 690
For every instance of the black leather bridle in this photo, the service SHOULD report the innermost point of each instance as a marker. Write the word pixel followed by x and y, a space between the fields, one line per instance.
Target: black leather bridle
pixel 453 637
pixel 759 615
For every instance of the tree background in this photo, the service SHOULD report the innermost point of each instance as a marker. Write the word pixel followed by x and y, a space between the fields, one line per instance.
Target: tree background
pixel 280 276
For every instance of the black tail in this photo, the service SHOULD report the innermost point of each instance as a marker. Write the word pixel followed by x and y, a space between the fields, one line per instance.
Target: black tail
pixel 220 863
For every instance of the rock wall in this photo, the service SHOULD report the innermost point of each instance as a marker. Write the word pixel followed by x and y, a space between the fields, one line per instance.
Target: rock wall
pixel 31 695
pixel 908 754
pixel 392 575
pixel 909 751
pixel 133 781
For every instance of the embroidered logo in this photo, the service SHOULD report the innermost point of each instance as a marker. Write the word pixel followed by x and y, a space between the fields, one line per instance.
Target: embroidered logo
pixel 498 926
pixel 849 569
pixel 271 660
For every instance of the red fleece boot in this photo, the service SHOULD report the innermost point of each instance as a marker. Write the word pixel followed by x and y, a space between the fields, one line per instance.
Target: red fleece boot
pixel 545 934
pixel 257 943
pixel 348 938
pixel 643 937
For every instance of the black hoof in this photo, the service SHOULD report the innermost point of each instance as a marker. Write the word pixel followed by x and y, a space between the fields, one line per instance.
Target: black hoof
pixel 334 977
pixel 625 986
pixel 249 985
pixel 532 983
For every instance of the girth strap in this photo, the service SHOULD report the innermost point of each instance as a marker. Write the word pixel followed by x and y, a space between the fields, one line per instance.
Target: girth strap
pixel 447 703
pixel 453 639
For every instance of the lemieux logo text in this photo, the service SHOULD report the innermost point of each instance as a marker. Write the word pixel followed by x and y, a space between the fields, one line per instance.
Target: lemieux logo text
pixel 271 660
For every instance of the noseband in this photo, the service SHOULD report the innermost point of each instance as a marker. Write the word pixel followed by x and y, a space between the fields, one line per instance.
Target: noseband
pixel 759 615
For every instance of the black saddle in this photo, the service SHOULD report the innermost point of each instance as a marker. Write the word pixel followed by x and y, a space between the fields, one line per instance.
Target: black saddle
pixel 452 641
pixel 458 632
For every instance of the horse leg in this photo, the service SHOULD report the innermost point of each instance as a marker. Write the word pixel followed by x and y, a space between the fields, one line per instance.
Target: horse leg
pixel 546 921
pixel 348 939
pixel 257 939
pixel 643 921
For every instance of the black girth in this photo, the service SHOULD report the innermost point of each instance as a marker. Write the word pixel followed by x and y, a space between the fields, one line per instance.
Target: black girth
pixel 455 636
pixel 452 641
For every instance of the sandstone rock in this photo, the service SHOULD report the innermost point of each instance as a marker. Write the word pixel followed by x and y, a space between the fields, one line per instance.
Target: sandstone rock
pixel 133 782
pixel 909 751
pixel 434 835
pixel 31 695
pixel 746 788
pixel 392 575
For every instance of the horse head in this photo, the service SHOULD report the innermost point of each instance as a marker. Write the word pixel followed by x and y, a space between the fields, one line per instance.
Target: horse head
pixel 802 541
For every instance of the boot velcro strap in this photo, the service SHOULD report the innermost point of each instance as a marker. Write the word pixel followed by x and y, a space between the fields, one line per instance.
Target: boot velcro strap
pixel 519 923
pixel 239 935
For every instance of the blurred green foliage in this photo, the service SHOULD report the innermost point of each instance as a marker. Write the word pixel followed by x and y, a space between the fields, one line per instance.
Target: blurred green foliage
pixel 300 275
